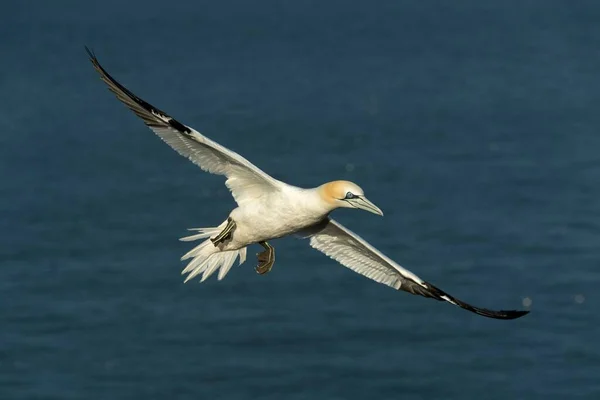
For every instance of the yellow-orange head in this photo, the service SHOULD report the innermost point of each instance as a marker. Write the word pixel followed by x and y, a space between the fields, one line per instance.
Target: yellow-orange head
pixel 346 194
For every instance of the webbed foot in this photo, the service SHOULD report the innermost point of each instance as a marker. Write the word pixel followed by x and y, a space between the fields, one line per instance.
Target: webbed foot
pixel 266 259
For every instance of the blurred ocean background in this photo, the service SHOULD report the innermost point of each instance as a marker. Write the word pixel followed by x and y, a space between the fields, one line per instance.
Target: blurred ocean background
pixel 473 124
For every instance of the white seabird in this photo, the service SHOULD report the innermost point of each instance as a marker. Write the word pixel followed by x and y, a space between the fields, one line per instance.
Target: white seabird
pixel 269 209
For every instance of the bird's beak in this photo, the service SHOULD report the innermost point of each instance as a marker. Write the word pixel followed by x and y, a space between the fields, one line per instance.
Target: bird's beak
pixel 364 204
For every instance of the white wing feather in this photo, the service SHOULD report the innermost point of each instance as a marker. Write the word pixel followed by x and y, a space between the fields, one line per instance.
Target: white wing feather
pixel 352 251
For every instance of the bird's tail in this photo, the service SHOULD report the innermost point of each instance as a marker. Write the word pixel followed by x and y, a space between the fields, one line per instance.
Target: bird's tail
pixel 206 258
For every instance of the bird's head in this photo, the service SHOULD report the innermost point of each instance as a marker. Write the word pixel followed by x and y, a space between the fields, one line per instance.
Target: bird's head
pixel 347 194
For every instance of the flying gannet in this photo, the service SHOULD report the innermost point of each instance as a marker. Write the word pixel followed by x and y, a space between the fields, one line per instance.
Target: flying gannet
pixel 270 209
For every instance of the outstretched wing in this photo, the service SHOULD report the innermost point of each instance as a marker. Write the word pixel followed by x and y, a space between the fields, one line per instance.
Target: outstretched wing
pixel 350 250
pixel 244 179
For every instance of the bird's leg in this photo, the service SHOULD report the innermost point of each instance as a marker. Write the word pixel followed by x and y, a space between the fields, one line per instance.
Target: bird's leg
pixel 225 233
pixel 266 259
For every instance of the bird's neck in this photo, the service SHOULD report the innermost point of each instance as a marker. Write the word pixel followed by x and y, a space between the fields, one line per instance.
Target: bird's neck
pixel 306 201
pixel 316 200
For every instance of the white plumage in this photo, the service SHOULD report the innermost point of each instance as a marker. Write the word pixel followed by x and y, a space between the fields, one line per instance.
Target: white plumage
pixel 269 209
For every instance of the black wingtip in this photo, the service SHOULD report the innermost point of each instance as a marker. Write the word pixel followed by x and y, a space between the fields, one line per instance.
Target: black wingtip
pixel 431 291
pixel 151 115
pixel 500 314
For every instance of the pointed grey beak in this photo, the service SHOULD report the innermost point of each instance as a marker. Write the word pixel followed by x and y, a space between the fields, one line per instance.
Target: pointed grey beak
pixel 364 204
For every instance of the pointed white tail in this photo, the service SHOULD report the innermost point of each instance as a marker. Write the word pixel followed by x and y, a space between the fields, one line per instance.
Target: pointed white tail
pixel 206 258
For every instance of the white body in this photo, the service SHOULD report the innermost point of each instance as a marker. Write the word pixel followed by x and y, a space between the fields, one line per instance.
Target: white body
pixel 270 215
pixel 276 214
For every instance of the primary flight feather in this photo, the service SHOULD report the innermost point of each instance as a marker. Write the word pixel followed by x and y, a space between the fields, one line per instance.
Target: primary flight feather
pixel 269 209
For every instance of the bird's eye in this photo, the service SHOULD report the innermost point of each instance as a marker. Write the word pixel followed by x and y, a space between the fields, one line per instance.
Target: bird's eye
pixel 349 195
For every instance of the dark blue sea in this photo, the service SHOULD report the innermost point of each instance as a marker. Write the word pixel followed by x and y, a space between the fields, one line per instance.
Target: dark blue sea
pixel 474 125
